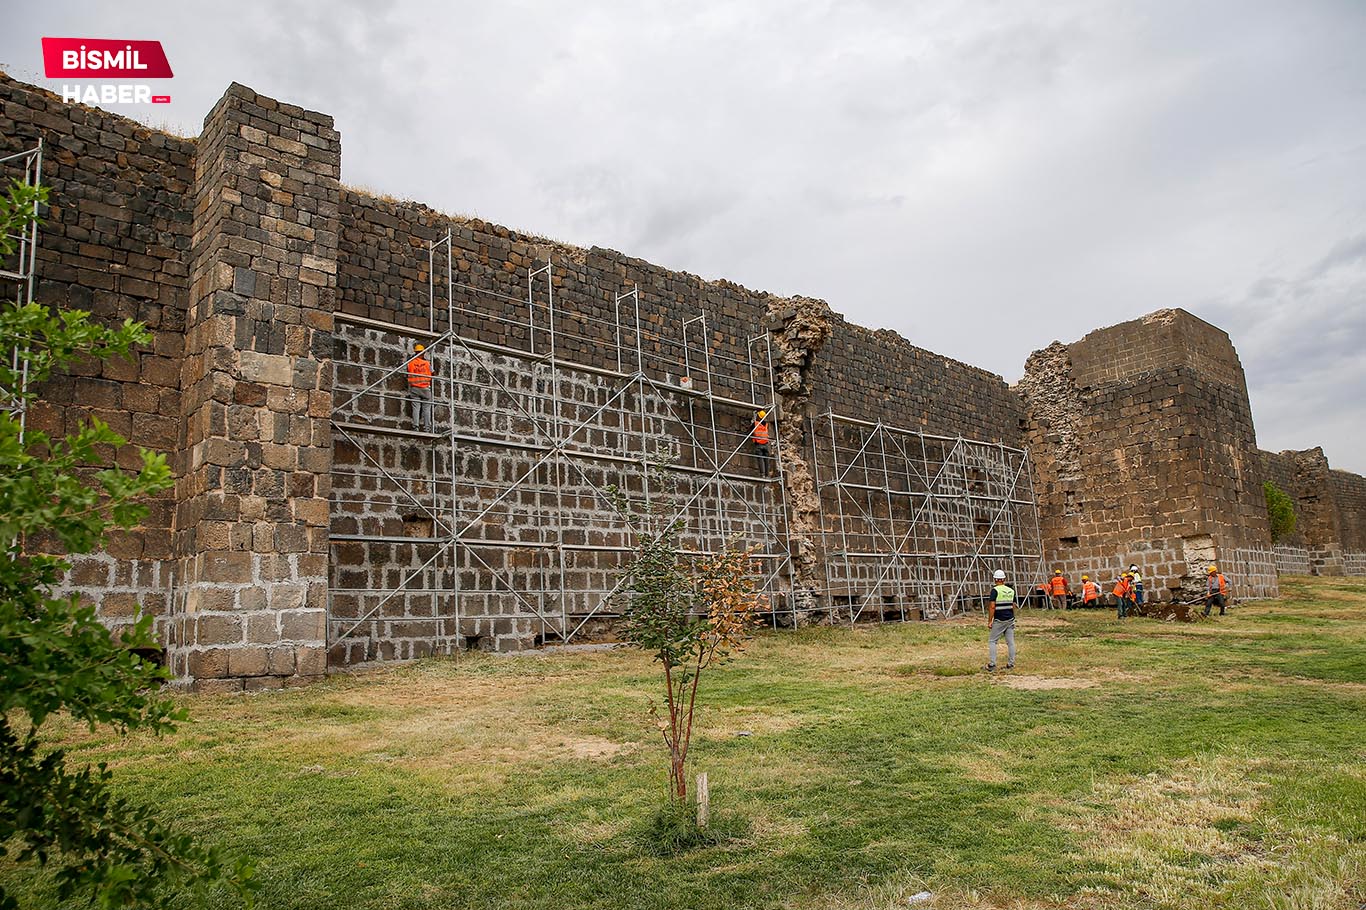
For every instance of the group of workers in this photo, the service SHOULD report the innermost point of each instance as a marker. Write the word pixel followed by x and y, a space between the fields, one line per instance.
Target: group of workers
pixel 1055 593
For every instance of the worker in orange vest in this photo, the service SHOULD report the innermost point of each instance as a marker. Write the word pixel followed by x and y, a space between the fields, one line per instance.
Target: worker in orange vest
pixel 1090 591
pixel 1058 590
pixel 420 388
pixel 1124 592
pixel 761 437
pixel 1216 590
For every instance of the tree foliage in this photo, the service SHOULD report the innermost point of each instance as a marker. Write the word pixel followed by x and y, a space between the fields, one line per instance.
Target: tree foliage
pixel 690 612
pixel 1280 511
pixel 56 496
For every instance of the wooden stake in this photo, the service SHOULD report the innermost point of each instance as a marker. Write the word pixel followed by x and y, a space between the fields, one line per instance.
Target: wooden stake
pixel 703 801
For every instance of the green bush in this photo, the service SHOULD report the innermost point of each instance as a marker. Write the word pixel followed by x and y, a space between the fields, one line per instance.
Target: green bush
pixel 674 830
pixel 1280 511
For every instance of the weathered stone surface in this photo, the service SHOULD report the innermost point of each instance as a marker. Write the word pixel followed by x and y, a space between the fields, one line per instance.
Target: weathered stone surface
pixel 246 258
pixel 1143 447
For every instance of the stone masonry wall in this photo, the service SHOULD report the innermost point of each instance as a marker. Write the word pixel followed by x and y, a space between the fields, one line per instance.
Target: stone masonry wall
pixel 1330 513
pixel 240 248
pixel 251 525
pixel 877 374
pixel 394 587
pixel 384 275
pixel 1144 448
pixel 114 241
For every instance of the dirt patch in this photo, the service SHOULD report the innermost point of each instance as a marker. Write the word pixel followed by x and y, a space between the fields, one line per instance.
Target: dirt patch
pixel 987 766
pixel 730 723
pixel 1015 681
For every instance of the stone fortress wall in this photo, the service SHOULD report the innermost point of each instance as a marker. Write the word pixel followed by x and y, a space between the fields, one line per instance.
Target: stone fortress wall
pixel 311 521
pixel 1145 453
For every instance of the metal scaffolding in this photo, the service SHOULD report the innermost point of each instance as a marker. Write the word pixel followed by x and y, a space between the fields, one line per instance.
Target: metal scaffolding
pixel 18 270
pixel 914 523
pixel 522 506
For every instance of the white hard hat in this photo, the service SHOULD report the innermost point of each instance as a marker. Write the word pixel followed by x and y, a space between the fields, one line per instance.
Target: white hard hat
pixel 1133 567
pixel 999 575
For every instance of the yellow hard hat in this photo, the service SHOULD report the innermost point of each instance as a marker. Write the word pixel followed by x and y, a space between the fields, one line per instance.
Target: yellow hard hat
pixel 763 414
pixel 1086 578
pixel 419 348
pixel 1057 571
pixel 1212 569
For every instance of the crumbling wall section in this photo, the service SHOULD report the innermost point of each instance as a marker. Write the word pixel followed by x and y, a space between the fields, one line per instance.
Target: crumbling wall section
pixel 1056 413
pixel 799 328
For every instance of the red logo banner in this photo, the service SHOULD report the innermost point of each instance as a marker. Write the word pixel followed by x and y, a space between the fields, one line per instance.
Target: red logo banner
pixel 104 58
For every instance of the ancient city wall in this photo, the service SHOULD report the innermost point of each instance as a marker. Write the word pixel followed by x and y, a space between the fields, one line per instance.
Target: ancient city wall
pixel 115 241
pixel 1145 452
pixel 877 374
pixel 1330 514
pixel 312 520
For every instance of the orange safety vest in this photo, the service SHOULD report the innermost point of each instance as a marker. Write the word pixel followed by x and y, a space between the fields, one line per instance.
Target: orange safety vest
pixel 1122 588
pixel 1058 585
pixel 760 433
pixel 420 372
pixel 1223 583
pixel 1089 591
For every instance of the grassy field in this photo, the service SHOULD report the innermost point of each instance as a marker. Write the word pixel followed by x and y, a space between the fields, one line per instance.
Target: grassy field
pixel 1217 764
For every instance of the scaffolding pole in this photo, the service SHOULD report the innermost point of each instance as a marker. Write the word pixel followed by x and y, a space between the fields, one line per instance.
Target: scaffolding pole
pixel 21 270
pixel 918 532
pixel 572 438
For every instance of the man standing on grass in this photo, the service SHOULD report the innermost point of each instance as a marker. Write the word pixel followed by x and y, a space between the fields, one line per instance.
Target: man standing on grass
pixel 1001 621
pixel 1216 590
pixel 1124 592
pixel 1058 589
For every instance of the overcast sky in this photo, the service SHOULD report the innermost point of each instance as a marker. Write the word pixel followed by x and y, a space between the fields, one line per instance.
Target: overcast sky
pixel 983 178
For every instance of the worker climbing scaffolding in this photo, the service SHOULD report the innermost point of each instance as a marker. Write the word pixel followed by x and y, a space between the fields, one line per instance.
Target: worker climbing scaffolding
pixel 419 371
pixel 761 438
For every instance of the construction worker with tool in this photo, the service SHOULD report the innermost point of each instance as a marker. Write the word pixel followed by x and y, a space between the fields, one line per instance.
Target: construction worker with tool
pixel 1001 620
pixel 1058 590
pixel 1216 590
pixel 420 389
pixel 1137 581
pixel 1124 592
pixel 1090 592
pixel 760 437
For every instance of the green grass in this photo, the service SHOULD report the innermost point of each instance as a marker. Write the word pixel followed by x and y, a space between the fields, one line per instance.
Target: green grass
pixel 1143 765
